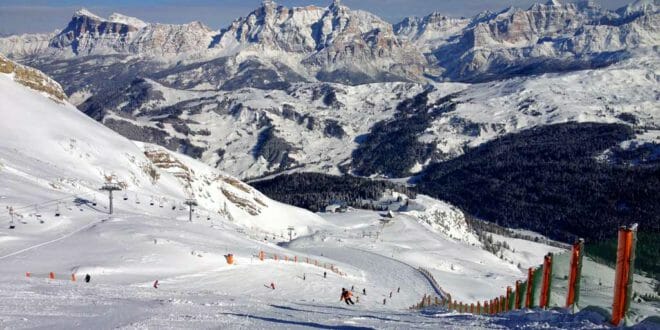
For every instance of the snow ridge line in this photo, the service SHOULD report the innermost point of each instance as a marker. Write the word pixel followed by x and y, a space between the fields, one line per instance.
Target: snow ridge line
pixel 89 225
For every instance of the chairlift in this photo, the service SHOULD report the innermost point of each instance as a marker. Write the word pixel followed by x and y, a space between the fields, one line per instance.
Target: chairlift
pixel 173 207
pixel 137 200
pixel 151 202
pixel 125 197
pixel 57 210
pixel 94 201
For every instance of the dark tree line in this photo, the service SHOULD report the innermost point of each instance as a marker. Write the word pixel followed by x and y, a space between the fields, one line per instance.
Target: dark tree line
pixel 548 179
pixel 314 191
pixel 392 146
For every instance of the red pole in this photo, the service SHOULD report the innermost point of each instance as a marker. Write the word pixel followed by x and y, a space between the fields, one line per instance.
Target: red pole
pixel 572 275
pixel 516 302
pixel 530 284
pixel 545 287
pixel 622 276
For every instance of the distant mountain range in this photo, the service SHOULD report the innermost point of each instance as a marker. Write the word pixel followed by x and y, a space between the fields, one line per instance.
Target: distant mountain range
pixel 330 88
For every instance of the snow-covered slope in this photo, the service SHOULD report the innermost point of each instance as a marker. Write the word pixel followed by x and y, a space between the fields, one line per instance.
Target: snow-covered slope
pixel 51 144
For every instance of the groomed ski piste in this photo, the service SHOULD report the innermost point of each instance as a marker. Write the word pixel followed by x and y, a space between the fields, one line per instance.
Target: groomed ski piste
pixel 54 159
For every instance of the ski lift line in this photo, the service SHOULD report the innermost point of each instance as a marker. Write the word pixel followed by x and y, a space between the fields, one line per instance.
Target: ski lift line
pixel 52 201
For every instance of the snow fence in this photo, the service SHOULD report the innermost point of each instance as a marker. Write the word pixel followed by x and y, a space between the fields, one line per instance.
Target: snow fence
pixel 562 281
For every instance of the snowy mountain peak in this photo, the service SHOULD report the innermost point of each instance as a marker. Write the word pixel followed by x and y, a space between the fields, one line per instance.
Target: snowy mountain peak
pixel 128 20
pixel 83 12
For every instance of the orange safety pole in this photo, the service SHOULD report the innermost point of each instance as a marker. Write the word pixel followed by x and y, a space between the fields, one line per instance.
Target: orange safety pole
pixel 547 277
pixel 486 307
pixel 73 277
pixel 51 275
pixel 516 299
pixel 530 284
pixel 471 308
pixel 623 276
pixel 478 307
pixel 27 274
pixel 573 273
pixel 295 259
pixel 261 255
pixel 508 295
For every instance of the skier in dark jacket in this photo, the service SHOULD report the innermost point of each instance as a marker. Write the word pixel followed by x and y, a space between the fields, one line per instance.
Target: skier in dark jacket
pixel 364 291
pixel 88 278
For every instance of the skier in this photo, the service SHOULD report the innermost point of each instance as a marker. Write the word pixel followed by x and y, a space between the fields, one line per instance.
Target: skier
pixel 357 299
pixel 390 294
pixel 346 296
pixel 352 287
pixel 398 290
pixel 384 301
pixel 156 284
pixel 272 285
pixel 304 277
pixel 87 278
pixel 364 291
pixel 325 274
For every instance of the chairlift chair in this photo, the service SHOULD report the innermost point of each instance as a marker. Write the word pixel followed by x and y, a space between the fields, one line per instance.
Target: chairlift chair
pixel 125 197
pixel 57 210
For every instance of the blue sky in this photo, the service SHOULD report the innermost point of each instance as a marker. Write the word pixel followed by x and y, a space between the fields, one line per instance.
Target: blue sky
pixel 28 16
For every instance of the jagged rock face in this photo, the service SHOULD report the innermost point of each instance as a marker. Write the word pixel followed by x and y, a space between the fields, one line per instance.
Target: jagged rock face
pixel 33 79
pixel 87 32
pixel 546 38
pixel 431 31
pixel 274 45
pixel 332 39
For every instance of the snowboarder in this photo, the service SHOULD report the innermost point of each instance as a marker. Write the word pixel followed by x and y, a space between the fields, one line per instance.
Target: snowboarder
pixel 364 291
pixel 88 278
pixel 156 284
pixel 398 290
pixel 325 274
pixel 272 285
pixel 346 296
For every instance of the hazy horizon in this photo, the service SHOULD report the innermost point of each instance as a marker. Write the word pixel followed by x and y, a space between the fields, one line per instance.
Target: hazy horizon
pixel 33 16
